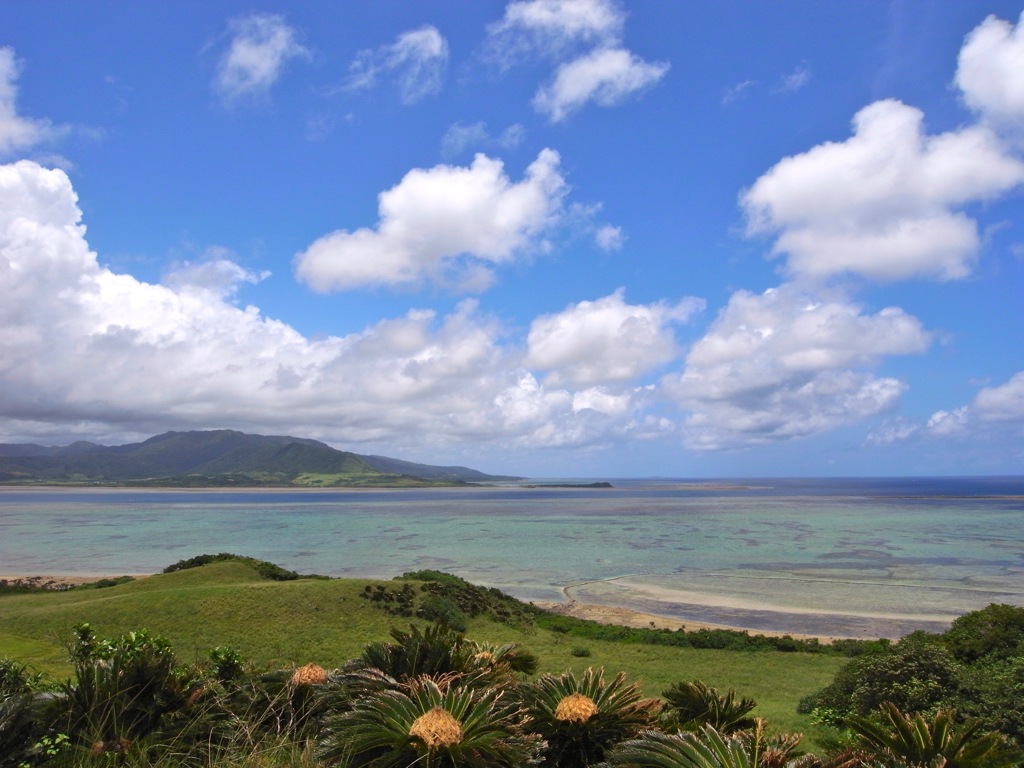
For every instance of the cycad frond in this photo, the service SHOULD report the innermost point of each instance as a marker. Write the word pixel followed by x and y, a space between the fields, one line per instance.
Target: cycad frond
pixel 919 741
pixel 694 704
pixel 707 748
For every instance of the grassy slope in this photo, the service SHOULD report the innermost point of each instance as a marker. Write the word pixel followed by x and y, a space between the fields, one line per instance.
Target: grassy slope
pixel 277 624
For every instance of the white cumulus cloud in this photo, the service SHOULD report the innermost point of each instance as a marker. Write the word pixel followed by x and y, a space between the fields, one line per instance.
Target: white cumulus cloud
pixel 1004 403
pixel 261 45
pixel 784 364
pixel 884 204
pixel 606 340
pixel 992 409
pixel 120 358
pixel 416 62
pixel 446 224
pixel 990 70
pixel 605 76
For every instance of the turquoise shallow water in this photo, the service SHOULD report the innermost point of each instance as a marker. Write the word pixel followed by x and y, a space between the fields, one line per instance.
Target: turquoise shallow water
pixel 846 557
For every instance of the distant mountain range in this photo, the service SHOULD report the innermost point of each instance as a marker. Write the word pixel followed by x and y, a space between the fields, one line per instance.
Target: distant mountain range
pixel 220 458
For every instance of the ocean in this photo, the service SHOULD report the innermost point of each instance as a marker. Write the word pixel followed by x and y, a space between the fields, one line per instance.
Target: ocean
pixel 843 557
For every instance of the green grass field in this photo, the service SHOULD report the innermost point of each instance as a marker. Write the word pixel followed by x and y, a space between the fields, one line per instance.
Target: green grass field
pixel 275 624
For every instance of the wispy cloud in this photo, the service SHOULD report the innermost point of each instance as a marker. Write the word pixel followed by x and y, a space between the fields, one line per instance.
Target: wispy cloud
pixel 736 92
pixel 585 38
pixel 795 80
pixel 462 137
pixel 604 76
pixel 18 132
pixel 553 27
pixel 261 45
pixel 415 62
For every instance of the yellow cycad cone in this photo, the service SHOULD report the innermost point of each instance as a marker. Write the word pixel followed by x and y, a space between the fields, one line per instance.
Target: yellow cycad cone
pixel 576 708
pixel 437 728
pixel 311 674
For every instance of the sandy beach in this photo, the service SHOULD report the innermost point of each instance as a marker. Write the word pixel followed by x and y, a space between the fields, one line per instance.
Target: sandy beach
pixel 57 582
pixel 627 617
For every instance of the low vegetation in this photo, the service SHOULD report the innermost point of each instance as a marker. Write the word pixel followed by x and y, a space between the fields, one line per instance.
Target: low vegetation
pixel 431 670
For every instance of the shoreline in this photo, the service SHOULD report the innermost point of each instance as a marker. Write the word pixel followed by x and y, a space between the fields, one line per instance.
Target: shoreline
pixel 629 617
pixel 602 613
pixel 673 608
pixel 56 582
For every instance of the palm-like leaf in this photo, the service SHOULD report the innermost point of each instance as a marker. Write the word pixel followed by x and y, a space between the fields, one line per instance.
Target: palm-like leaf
pixel 435 650
pixel 707 748
pixel 694 704
pixel 18 728
pixel 392 729
pixel 914 740
pixel 510 655
pixel 581 718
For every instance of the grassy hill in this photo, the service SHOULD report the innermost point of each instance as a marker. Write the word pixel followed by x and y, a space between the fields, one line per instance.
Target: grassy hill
pixel 275 624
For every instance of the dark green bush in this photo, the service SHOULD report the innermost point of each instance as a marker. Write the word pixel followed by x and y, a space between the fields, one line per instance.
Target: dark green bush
pixel 996 631
pixel 917 675
pixel 443 610
pixel 262 567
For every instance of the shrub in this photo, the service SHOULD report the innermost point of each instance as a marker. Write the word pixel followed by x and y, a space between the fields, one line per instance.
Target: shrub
pixel 262 567
pixel 443 610
pixel 917 675
pixel 121 690
pixel 996 631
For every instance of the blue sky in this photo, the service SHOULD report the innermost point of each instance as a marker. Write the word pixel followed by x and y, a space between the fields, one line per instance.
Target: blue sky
pixel 546 237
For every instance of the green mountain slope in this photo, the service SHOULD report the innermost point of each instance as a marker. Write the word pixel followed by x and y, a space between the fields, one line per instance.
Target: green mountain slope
pixel 217 458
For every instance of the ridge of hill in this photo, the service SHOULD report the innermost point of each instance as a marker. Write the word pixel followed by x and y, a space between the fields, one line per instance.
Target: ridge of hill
pixel 221 458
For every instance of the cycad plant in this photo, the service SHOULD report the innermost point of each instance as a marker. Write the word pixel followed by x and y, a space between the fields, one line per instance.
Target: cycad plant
pixel 436 650
pixel 693 704
pixel 510 656
pixel 709 748
pixel 430 726
pixel 121 690
pixel 914 741
pixel 439 652
pixel 581 718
